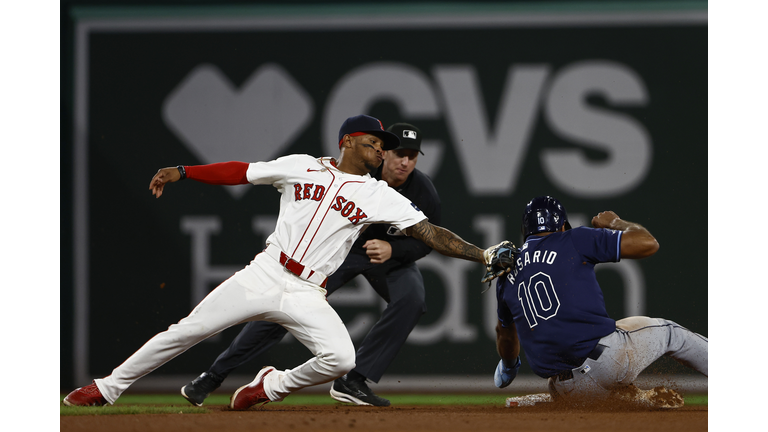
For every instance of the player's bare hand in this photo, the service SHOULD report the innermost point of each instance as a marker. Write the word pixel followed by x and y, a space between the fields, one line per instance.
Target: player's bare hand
pixel 378 251
pixel 605 219
pixel 163 176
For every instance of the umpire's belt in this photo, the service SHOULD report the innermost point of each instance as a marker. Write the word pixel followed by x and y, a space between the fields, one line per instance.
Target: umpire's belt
pixel 296 267
pixel 594 355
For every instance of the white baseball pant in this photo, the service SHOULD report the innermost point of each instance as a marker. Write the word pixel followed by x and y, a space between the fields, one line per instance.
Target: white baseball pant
pixel 263 290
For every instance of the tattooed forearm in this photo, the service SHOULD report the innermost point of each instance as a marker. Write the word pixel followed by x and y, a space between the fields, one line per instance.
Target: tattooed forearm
pixel 445 242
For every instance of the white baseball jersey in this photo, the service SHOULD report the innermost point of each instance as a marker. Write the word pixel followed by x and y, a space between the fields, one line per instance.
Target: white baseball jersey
pixel 324 210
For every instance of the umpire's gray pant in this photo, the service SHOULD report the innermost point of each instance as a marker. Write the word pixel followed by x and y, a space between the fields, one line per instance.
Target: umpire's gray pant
pixel 636 343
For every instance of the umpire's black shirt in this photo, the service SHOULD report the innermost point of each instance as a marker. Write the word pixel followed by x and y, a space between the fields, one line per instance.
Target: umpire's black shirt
pixel 405 249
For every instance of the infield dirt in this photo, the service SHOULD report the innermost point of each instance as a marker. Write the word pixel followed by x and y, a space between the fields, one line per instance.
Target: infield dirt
pixel 277 418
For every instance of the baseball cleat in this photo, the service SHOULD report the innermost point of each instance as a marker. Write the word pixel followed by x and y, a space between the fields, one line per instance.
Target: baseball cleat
pixel 356 392
pixel 85 396
pixel 251 394
pixel 201 387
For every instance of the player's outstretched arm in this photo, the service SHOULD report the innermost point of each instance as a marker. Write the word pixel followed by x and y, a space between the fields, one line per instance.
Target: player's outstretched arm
pixel 508 347
pixel 507 343
pixel 163 176
pixel 636 241
pixel 445 242
pixel 220 173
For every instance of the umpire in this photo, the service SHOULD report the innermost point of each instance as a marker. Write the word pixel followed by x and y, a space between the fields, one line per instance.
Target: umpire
pixel 387 259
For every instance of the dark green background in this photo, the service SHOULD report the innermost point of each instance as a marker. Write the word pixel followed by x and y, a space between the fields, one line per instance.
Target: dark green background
pixel 140 259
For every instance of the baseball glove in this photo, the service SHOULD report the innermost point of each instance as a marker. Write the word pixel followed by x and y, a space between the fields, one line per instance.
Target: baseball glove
pixel 498 260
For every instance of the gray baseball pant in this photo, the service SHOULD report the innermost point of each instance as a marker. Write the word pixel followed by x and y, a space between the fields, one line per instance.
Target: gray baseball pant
pixel 636 343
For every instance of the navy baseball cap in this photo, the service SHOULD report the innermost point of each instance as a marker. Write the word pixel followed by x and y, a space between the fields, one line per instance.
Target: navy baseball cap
pixel 410 136
pixel 369 125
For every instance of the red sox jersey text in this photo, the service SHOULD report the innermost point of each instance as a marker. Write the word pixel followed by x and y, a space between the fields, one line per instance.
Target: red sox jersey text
pixel 342 205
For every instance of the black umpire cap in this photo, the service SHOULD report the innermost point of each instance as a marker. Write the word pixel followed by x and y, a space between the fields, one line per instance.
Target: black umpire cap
pixel 410 136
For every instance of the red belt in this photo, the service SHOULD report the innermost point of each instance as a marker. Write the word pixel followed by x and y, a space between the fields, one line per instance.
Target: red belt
pixel 296 267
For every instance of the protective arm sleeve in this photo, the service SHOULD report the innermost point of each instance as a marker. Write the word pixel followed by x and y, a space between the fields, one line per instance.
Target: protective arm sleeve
pixel 222 173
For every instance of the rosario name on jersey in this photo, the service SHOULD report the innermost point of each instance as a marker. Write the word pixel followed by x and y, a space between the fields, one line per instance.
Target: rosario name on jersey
pixel 323 210
pixel 553 297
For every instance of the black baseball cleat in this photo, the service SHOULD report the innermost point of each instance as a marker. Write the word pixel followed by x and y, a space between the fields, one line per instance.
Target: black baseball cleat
pixel 356 392
pixel 199 389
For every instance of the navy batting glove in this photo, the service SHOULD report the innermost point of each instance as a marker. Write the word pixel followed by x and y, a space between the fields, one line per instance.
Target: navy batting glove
pixel 505 374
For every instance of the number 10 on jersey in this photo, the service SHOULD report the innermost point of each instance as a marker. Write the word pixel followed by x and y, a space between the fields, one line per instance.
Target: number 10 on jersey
pixel 538 298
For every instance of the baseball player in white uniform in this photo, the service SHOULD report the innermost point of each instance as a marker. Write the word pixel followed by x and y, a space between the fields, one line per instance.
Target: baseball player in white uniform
pixel 325 204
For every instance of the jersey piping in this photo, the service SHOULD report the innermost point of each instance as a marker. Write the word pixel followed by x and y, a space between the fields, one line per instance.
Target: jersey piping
pixel 313 218
pixel 327 209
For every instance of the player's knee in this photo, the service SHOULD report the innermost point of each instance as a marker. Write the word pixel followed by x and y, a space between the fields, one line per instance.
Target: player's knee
pixel 346 359
pixel 338 362
pixel 343 365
